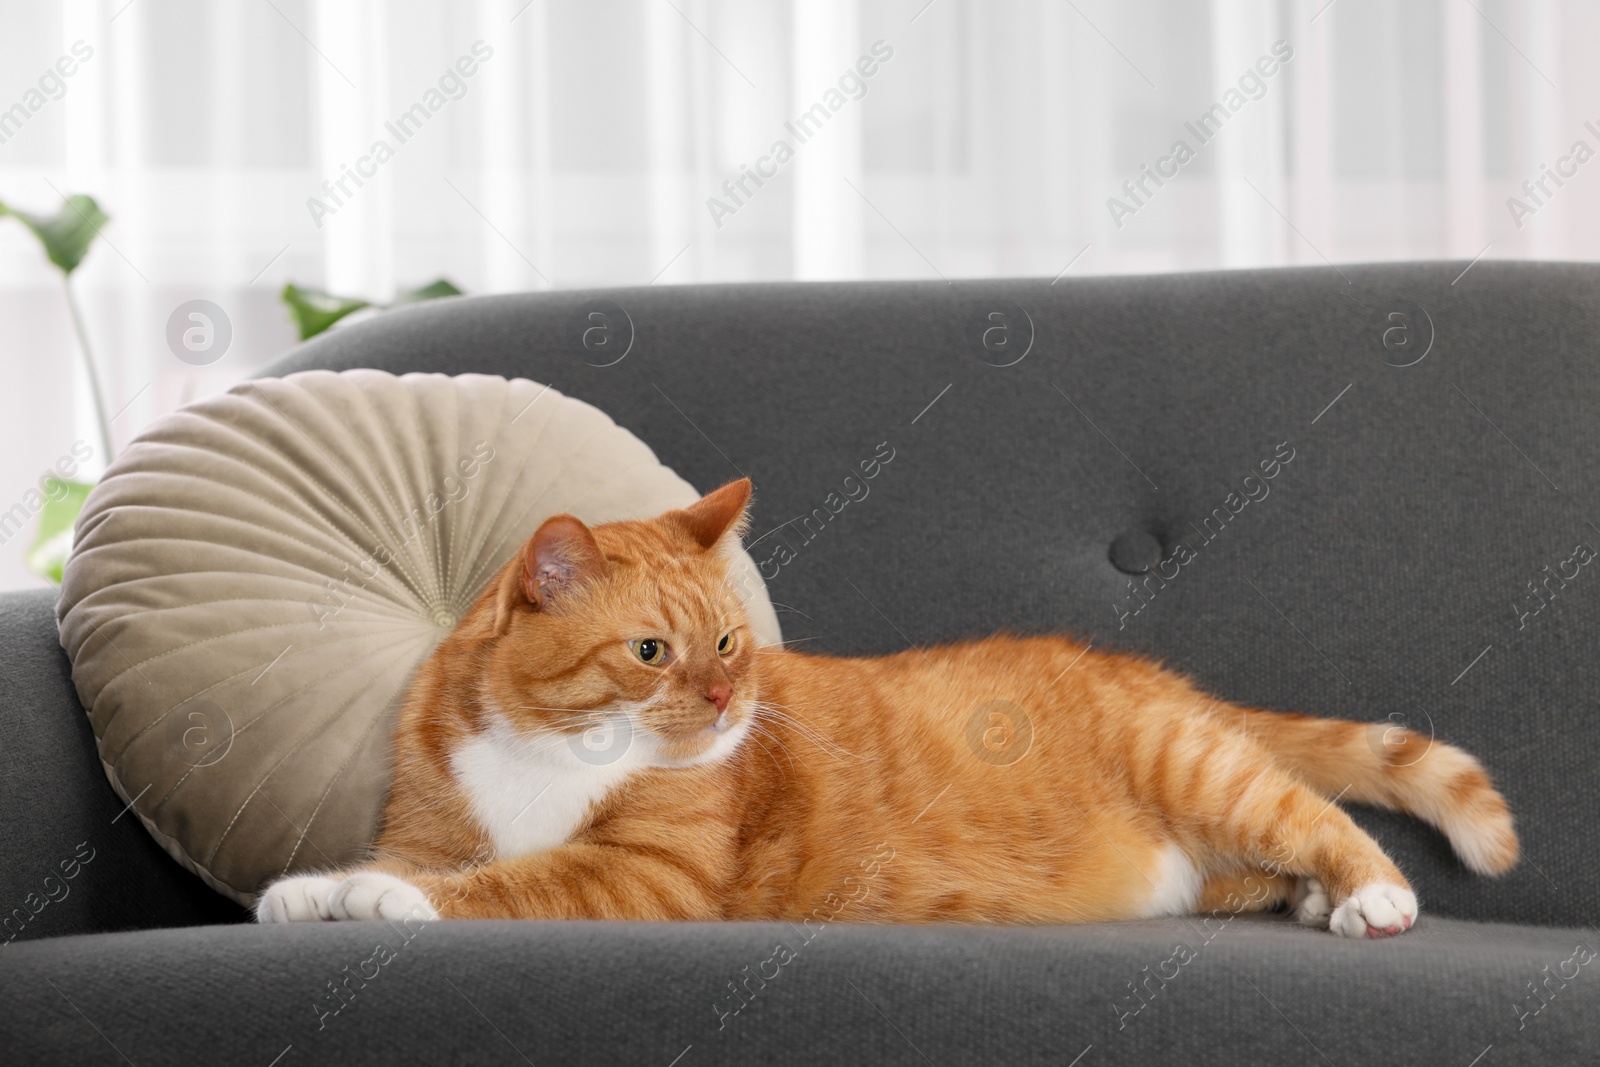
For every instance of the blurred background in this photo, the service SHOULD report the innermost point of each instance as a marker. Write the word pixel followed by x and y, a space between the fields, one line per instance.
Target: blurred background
pixel 235 147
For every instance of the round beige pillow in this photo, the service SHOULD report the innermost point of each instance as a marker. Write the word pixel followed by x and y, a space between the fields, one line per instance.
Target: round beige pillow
pixel 257 577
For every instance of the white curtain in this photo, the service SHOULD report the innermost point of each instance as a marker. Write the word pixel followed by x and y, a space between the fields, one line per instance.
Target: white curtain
pixel 575 143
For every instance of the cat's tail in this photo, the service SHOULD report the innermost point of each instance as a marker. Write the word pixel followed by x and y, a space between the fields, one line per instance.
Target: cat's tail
pixel 1388 766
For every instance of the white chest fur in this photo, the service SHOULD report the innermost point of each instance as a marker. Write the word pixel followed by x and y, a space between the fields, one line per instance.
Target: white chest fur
pixel 532 791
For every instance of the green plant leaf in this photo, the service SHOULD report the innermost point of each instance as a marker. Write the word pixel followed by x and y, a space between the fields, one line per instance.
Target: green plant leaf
pixel 314 310
pixel 432 291
pixel 53 541
pixel 66 235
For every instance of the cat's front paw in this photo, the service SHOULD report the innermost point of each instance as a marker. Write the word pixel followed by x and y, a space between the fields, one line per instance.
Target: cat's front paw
pixel 1310 903
pixel 301 899
pixel 375 895
pixel 1377 910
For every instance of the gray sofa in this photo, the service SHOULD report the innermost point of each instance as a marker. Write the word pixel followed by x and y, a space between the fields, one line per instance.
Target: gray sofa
pixel 1413 560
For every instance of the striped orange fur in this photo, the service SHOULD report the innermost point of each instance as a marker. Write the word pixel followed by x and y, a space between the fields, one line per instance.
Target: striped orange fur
pixel 1011 779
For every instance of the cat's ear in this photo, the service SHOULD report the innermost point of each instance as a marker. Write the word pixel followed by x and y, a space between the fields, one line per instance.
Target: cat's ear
pixel 716 515
pixel 560 557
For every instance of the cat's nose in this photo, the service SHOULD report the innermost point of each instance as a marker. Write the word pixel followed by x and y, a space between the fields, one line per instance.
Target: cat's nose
pixel 718 694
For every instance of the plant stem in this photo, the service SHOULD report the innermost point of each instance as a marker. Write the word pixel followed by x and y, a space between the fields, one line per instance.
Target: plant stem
pixel 89 365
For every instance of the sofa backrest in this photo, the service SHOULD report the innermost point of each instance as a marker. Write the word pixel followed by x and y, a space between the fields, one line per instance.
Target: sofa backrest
pixel 1420 554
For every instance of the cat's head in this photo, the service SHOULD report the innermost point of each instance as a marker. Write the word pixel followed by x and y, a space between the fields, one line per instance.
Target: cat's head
pixel 628 640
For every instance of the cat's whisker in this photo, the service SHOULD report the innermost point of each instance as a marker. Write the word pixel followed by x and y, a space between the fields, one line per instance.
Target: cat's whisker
pixel 570 711
pixel 760 649
pixel 783 746
pixel 786 716
pixel 778 713
pixel 757 732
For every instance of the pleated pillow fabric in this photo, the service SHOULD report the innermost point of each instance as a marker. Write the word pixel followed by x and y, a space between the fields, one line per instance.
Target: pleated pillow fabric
pixel 258 575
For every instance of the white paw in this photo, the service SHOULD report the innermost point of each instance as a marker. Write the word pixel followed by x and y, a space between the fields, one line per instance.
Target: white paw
pixel 374 895
pixel 301 899
pixel 1310 903
pixel 1376 910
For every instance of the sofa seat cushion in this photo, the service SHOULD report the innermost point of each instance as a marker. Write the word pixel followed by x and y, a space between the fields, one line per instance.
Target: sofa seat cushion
pixel 1249 989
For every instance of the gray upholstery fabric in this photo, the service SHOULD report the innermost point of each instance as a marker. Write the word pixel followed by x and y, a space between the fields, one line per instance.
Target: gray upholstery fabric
pixel 1260 991
pixel 1385 573
pixel 57 807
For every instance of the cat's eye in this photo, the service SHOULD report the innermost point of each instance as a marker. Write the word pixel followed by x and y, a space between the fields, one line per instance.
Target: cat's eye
pixel 649 650
pixel 725 645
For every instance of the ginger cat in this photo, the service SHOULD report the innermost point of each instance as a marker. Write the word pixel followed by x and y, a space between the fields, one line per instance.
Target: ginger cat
pixel 761 783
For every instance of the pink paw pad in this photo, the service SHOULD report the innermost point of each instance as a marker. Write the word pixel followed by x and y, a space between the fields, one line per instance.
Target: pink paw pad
pixel 1374 911
pixel 1393 930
